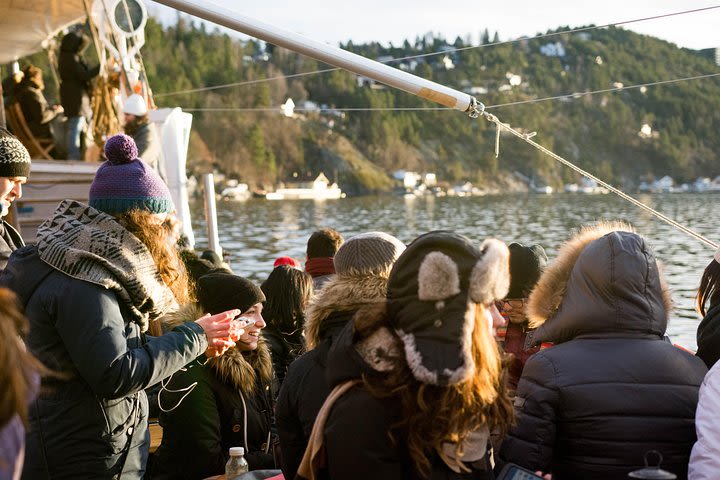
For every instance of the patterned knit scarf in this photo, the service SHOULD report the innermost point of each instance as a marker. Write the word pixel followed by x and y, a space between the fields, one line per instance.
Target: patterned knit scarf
pixel 92 246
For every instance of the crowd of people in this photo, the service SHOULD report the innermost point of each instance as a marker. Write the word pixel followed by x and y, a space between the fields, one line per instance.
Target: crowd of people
pixel 448 357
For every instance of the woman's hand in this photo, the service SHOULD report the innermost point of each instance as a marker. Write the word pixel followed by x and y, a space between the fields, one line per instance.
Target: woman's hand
pixel 221 331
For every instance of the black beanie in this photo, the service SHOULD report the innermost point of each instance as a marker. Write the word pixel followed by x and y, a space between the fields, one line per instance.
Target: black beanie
pixel 526 265
pixel 14 157
pixel 221 291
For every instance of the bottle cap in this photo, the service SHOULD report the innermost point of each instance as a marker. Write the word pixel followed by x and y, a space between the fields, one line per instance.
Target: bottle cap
pixel 236 451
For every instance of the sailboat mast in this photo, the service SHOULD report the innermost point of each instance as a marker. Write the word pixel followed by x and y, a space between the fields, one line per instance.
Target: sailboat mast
pixel 332 55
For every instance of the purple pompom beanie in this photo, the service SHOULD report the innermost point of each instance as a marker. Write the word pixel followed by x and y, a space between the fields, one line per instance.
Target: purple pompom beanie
pixel 124 182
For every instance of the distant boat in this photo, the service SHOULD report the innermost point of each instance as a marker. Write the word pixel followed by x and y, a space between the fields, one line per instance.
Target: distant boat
pixel 239 191
pixel 318 189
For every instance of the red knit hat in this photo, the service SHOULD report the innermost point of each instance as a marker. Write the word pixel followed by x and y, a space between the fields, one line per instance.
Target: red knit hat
pixel 286 261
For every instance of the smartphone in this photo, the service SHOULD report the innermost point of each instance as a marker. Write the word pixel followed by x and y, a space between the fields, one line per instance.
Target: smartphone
pixel 243 322
pixel 515 472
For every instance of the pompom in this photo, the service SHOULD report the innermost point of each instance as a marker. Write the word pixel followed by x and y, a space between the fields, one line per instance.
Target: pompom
pixel 120 149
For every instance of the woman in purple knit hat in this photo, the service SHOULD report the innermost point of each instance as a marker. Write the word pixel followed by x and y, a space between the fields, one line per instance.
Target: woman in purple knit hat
pixel 97 278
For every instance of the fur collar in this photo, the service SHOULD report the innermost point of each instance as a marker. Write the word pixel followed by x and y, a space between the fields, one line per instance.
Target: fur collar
pixel 548 302
pixel 342 293
pixel 241 369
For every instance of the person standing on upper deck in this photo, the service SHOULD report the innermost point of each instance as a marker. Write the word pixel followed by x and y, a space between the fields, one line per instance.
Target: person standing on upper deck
pixel 75 90
pixel 14 171
pixel 611 388
pixel 321 248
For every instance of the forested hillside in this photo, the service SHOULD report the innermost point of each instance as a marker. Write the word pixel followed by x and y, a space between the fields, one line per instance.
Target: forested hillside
pixel 601 132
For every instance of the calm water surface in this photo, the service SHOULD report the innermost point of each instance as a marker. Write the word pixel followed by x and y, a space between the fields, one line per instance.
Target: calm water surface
pixel 255 232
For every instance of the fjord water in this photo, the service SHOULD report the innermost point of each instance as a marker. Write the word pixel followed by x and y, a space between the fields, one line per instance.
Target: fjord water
pixel 255 232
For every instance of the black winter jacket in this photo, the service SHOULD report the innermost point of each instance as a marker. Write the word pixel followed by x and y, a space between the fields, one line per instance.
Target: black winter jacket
pixel 357 441
pixel 611 389
pixel 85 422
pixel 305 387
pixel 38 114
pixel 75 77
pixel 303 392
pixel 200 423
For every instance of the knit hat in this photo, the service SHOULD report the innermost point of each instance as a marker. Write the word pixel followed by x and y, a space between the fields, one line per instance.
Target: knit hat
pixel 289 261
pixel 135 105
pixel 14 157
pixel 526 265
pixel 371 253
pixel 124 182
pixel 218 292
pixel 432 292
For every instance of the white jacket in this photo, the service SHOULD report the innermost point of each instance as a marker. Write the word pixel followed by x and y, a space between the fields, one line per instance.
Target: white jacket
pixel 705 456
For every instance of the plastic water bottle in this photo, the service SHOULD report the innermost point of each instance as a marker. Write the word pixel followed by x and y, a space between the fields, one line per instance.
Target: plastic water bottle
pixel 237 465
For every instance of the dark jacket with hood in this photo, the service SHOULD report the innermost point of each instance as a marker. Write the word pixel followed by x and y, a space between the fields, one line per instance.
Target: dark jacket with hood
pixel 610 389
pixel 305 387
pixel 356 435
pixel 92 421
pixel 38 114
pixel 75 76
pixel 230 405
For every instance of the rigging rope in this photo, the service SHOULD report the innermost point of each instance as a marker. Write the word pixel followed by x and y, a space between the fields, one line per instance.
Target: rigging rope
pixel 527 138
pixel 493 44
pixel 574 95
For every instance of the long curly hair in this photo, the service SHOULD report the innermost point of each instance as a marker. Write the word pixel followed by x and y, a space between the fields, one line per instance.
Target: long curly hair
pixel 19 367
pixel 160 242
pixel 432 415
pixel 709 290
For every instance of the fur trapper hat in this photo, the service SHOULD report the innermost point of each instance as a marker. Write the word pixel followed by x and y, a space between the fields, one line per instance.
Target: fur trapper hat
pixel 432 293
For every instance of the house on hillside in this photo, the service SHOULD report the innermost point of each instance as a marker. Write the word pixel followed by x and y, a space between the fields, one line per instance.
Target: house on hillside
pixel 555 49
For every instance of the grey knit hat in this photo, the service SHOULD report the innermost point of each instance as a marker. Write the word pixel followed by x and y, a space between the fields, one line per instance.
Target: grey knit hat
pixel 14 157
pixel 371 253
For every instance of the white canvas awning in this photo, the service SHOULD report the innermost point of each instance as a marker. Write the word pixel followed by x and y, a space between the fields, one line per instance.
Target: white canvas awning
pixel 25 25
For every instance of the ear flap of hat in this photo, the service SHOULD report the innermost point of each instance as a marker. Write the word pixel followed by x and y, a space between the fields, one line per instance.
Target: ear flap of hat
pixel 438 277
pixel 490 278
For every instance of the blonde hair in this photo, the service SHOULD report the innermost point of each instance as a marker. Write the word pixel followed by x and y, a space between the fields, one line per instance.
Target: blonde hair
pixel 160 243
pixel 432 415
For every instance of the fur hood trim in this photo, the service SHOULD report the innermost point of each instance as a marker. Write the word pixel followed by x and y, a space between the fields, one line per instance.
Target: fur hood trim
pixel 241 369
pixel 342 293
pixel 605 280
pixel 546 297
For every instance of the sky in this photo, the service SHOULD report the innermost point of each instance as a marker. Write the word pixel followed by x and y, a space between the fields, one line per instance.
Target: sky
pixel 386 21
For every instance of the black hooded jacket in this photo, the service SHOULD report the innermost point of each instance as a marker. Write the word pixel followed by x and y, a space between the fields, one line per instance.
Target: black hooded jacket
pixel 75 76
pixel 305 386
pixel 610 389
